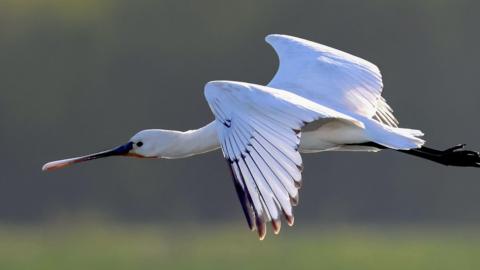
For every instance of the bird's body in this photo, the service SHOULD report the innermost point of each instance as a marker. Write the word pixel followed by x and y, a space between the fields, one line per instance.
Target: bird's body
pixel 316 137
pixel 321 99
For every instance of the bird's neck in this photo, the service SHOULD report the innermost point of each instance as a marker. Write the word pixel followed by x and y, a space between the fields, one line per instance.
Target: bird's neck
pixel 192 142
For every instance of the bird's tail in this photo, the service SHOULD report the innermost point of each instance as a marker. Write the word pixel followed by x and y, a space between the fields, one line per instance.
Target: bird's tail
pixel 407 141
pixel 393 137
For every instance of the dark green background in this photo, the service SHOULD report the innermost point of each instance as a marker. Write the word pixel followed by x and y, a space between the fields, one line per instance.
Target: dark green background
pixel 81 76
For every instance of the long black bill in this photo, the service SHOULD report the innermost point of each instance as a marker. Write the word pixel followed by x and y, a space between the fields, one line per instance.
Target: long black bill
pixel 122 150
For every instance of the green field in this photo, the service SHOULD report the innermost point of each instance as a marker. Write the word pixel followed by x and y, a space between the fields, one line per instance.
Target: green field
pixel 131 247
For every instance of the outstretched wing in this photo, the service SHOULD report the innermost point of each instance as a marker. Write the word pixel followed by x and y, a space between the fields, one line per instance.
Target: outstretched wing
pixel 330 77
pixel 259 132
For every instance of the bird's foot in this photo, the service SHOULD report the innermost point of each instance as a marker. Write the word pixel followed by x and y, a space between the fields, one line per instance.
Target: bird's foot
pixel 456 156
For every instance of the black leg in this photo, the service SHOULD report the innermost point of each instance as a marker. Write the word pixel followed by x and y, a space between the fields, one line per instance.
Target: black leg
pixel 454 156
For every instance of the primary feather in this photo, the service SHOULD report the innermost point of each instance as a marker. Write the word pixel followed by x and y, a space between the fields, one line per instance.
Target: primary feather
pixel 331 77
pixel 258 129
pixel 261 129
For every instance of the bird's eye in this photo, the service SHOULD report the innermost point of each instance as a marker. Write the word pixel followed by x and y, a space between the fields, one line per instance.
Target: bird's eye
pixel 139 144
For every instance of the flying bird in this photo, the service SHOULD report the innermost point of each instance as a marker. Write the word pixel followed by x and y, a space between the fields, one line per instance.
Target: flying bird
pixel 320 99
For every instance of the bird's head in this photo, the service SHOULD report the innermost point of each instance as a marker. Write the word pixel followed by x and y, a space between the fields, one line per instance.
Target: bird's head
pixel 150 143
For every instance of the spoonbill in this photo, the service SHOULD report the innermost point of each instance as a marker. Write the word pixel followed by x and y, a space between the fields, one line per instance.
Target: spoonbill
pixel 320 99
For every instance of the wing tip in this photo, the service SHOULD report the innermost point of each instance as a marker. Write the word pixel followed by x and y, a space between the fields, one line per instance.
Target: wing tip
pixel 277 225
pixel 261 229
pixel 290 220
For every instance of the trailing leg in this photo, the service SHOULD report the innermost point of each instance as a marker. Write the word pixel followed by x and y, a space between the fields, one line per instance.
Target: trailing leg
pixel 454 156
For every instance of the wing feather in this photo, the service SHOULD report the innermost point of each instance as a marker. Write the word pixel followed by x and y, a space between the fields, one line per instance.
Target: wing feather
pixel 258 128
pixel 279 172
pixel 331 77
pixel 243 196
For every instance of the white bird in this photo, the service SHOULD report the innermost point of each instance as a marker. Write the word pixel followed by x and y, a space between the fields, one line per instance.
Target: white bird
pixel 321 99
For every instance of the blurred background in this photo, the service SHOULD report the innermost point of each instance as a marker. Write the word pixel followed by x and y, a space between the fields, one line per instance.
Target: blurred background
pixel 83 75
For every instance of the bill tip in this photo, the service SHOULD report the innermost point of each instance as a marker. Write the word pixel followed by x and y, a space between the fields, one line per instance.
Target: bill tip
pixel 48 167
pixel 54 165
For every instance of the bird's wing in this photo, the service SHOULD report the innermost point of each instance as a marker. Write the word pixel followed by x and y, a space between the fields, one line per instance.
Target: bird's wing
pixel 330 77
pixel 259 133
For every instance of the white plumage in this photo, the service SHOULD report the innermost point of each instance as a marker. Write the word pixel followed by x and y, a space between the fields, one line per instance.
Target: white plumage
pixel 259 126
pixel 321 99
pixel 328 76
pixel 259 132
